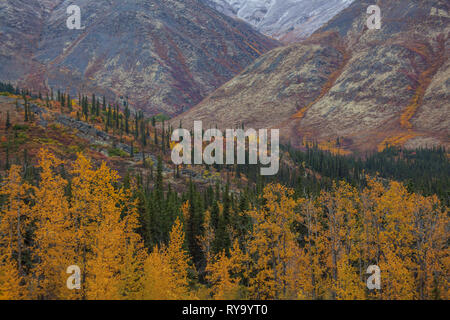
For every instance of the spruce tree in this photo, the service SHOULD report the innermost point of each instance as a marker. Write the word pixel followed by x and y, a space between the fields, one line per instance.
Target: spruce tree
pixel 97 109
pixel 163 145
pixel 69 103
pixel 8 121
pixel 27 118
pixel 93 104
pixel 7 157
pixel 136 126
pixel 127 118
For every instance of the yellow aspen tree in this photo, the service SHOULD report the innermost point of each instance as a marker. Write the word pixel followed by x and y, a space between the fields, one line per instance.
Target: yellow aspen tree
pixel 54 237
pixel 14 221
pixel 397 280
pixel 397 264
pixel 10 287
pixel 166 269
pixel 225 273
pixel 340 212
pixel 311 260
pixel 239 260
pixel 224 287
pixel 112 244
pixel 84 217
pixel 333 221
pixel 373 216
pixel 107 222
pixel 405 234
pixel 349 285
pixel 430 247
pixel 132 272
pixel 158 278
pixel 103 266
pixel 272 245
pixel 351 282
pixel 131 284
pixel 177 257
pixel 373 221
pixel 208 236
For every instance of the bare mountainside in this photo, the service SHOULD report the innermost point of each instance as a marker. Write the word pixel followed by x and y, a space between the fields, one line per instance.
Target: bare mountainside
pixel 369 88
pixel 165 55
pixel 287 20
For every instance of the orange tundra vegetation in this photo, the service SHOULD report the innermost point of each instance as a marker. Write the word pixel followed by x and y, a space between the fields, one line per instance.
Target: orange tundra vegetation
pixel 298 248
pixel 435 59
pixel 300 114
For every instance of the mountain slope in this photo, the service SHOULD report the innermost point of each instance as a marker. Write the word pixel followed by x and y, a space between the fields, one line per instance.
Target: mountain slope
pixel 272 89
pixel 287 20
pixel 165 55
pixel 21 24
pixel 367 87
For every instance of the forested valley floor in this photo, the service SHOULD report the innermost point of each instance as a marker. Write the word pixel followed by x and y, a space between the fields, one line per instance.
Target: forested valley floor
pixel 164 232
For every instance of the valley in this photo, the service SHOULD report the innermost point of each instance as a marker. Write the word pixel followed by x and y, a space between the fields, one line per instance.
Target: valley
pixel 100 200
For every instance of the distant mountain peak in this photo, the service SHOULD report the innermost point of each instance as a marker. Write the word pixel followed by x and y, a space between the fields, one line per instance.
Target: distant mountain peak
pixel 287 20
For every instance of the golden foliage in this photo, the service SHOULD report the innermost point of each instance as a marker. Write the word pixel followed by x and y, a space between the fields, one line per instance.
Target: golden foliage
pixel 223 273
pixel 166 269
pixel 272 244
pixel 397 140
pixel 297 248
pixel 94 230
pixel 14 219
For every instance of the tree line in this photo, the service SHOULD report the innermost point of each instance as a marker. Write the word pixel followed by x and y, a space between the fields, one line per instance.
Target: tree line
pixel 137 239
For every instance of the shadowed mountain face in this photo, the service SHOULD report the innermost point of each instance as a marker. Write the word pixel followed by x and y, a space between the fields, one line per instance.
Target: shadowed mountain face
pixel 367 87
pixel 165 55
pixel 21 23
pixel 287 20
